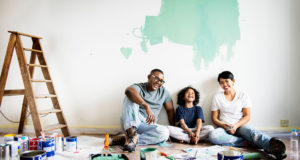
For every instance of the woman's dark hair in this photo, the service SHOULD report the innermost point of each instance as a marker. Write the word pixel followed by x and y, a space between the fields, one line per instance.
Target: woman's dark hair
pixel 225 75
pixel 180 96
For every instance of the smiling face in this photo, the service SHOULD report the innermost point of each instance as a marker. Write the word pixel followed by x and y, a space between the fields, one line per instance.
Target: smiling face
pixel 189 95
pixel 155 81
pixel 226 84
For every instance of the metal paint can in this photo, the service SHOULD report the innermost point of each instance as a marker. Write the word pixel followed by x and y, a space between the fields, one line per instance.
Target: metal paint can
pixel 34 144
pixel 148 153
pixel 9 137
pixel 59 143
pixel 20 138
pixel 230 155
pixel 71 143
pixel 14 148
pixel 5 152
pixel 33 155
pixel 48 145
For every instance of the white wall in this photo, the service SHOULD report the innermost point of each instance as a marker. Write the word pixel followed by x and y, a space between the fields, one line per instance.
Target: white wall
pixel 82 41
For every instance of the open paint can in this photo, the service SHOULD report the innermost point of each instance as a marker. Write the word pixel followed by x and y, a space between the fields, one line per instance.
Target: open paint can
pixel 33 155
pixel 230 155
pixel 5 153
pixel 148 153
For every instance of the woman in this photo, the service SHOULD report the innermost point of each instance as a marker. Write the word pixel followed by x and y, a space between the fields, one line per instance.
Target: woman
pixel 231 113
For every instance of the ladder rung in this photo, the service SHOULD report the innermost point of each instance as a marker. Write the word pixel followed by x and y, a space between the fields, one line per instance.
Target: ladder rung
pixel 24 34
pixel 14 92
pixel 49 111
pixel 45 96
pixel 54 126
pixel 33 50
pixel 40 80
pixel 36 65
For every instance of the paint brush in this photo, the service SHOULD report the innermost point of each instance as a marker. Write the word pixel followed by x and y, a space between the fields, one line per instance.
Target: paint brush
pixel 167 156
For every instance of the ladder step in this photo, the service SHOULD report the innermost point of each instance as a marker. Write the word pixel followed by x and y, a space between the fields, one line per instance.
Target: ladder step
pixel 33 50
pixel 14 92
pixel 40 80
pixel 45 96
pixel 36 65
pixel 49 111
pixel 54 127
pixel 24 34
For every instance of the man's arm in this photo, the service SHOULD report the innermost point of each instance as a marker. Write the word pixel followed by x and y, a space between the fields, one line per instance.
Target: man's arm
pixel 135 97
pixel 171 112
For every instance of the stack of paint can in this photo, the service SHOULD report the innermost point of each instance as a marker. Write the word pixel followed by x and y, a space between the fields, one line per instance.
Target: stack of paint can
pixel 23 140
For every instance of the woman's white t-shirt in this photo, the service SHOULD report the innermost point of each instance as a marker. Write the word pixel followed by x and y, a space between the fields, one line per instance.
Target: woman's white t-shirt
pixel 230 112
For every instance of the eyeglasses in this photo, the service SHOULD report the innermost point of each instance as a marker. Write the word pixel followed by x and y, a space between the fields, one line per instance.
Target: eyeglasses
pixel 156 79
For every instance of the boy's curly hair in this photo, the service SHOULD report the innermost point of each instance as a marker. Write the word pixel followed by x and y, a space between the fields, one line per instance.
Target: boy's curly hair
pixel 180 96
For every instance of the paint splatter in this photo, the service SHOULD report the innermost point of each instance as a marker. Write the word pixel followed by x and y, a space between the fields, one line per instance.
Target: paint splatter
pixel 126 52
pixel 205 25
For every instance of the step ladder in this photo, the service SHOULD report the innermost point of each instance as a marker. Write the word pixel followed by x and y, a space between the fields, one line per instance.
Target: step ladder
pixel 27 70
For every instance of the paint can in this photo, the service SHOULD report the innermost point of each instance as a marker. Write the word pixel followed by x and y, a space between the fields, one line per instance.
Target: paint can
pixel 34 144
pixel 148 153
pixel 9 137
pixel 48 145
pixel 230 155
pixel 5 152
pixel 14 148
pixel 33 155
pixel 20 138
pixel 59 143
pixel 71 143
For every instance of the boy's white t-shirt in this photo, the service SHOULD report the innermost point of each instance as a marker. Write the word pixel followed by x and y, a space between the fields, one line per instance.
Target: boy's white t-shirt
pixel 230 112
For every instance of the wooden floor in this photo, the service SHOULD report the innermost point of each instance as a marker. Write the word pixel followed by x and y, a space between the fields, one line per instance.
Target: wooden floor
pixel 177 148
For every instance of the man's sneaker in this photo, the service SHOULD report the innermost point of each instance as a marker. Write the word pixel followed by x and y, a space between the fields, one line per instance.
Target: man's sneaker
pixel 277 148
pixel 118 139
pixel 131 142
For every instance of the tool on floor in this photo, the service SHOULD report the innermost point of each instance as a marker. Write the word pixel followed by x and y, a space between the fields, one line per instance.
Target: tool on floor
pixel 167 156
pixel 27 70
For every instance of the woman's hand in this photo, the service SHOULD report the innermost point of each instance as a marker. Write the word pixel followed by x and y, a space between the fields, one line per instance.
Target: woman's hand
pixel 233 129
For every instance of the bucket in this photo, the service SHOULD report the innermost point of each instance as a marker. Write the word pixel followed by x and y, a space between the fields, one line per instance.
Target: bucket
pixel 14 148
pixel 230 155
pixel 34 144
pixel 71 143
pixel 48 145
pixel 5 152
pixel 9 137
pixel 148 153
pixel 33 155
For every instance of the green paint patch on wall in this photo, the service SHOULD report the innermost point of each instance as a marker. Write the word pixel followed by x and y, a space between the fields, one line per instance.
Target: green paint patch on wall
pixel 126 52
pixel 205 25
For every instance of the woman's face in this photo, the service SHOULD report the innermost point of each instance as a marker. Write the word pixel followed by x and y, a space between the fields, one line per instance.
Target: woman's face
pixel 226 84
pixel 189 95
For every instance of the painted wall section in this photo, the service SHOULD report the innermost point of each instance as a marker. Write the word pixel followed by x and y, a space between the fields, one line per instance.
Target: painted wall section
pixel 206 25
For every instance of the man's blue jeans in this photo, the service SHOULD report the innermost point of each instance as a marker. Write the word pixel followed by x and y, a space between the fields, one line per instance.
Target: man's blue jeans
pixel 254 137
pixel 147 133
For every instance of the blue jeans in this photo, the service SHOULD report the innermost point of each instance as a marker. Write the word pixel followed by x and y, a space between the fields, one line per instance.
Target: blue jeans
pixel 254 137
pixel 147 133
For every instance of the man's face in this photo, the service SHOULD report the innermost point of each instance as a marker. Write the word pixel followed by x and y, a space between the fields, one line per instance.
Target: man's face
pixel 155 81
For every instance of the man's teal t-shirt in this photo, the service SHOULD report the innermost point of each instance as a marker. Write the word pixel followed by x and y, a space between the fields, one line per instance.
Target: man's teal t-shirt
pixel 155 99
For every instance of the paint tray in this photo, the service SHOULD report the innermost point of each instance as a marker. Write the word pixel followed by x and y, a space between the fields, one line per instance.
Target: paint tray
pixel 108 157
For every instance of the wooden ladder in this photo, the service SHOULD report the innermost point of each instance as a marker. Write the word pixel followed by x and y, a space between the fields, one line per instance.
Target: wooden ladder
pixel 30 97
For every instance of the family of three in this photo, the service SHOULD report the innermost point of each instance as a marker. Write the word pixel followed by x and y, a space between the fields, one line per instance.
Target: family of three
pixel 230 113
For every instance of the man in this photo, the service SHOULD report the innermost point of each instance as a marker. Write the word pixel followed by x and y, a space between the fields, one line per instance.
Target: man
pixel 141 108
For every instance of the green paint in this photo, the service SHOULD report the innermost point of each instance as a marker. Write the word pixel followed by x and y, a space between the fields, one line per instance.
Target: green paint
pixel 205 25
pixel 133 115
pixel 126 52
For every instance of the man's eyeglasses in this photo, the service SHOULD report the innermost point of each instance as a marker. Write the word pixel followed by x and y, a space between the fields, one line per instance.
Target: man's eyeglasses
pixel 156 79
